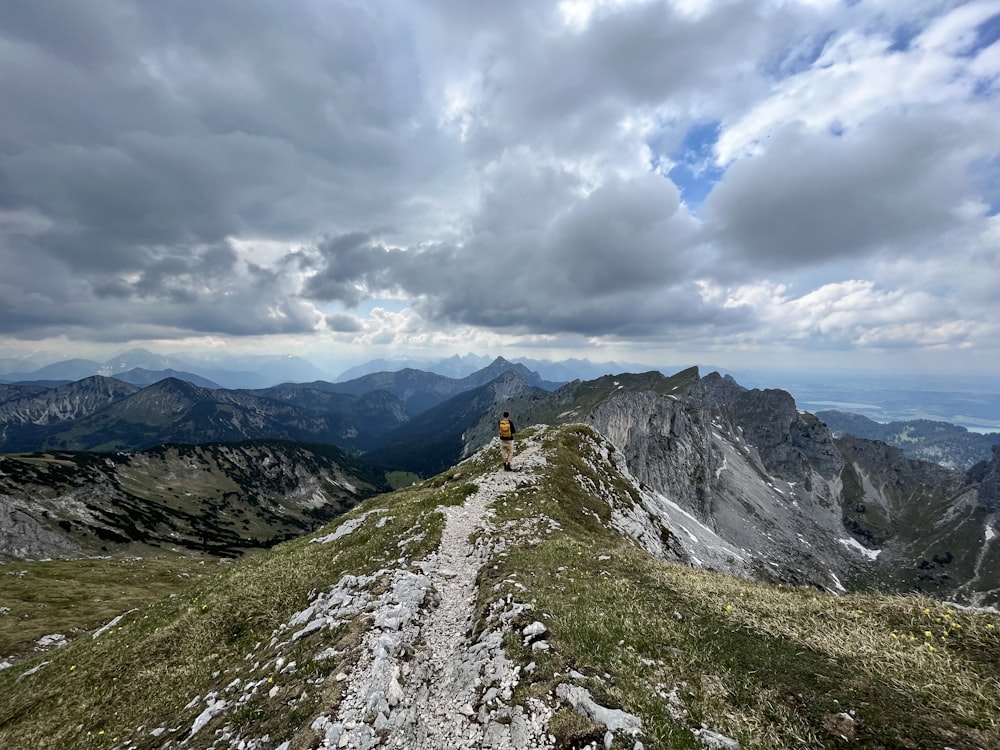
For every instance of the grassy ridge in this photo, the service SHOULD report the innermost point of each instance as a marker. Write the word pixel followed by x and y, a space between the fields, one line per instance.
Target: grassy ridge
pixel 773 667
pixel 770 666
pixel 142 675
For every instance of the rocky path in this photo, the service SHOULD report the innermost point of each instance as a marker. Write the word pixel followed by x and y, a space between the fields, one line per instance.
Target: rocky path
pixel 423 681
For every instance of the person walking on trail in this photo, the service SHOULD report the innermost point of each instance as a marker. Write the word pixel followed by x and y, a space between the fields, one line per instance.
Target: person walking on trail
pixel 507 431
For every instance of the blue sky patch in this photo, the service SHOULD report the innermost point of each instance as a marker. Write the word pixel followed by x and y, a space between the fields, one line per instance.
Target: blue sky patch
pixel 693 167
pixel 986 173
pixel 796 59
pixel 902 36
pixel 987 33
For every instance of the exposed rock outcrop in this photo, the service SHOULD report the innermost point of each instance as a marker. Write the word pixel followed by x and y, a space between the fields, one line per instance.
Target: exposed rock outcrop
pixel 772 485
pixel 987 476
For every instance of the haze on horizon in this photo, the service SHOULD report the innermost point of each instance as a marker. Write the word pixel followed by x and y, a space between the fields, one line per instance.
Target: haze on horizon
pixel 746 183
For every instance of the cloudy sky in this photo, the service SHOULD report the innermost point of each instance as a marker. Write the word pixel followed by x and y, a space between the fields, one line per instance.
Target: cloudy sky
pixel 735 182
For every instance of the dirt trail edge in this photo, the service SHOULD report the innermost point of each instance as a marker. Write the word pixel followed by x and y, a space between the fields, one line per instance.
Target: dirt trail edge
pixel 422 682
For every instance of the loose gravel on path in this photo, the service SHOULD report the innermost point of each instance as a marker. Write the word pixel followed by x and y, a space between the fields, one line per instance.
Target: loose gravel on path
pixel 422 681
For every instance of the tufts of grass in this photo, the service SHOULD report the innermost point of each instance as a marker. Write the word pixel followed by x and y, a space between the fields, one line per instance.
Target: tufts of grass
pixel 774 667
pixel 71 597
pixel 153 671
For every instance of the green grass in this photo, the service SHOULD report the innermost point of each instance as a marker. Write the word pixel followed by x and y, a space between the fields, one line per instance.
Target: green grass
pixel 75 596
pixel 145 672
pixel 399 479
pixel 771 666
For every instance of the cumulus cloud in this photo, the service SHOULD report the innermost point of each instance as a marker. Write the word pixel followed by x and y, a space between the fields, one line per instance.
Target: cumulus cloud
pixel 648 173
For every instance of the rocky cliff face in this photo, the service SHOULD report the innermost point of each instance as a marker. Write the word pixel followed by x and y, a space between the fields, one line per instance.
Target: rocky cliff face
pixel 35 405
pixel 772 483
pixel 711 462
pixel 986 476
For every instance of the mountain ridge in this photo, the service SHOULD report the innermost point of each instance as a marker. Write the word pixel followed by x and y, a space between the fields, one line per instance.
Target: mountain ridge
pixel 489 609
pixel 943 443
pixel 355 416
pixel 753 473
pixel 221 499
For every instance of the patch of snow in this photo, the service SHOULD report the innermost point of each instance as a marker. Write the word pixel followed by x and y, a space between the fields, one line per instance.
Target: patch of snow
pixel 316 500
pixel 871 554
pixel 691 536
pixel 990 533
pixel 725 465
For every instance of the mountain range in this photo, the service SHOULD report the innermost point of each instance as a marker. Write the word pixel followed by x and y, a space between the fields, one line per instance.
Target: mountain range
pixel 262 371
pixel 99 413
pixel 234 371
pixel 744 480
pixel 970 401
pixel 950 445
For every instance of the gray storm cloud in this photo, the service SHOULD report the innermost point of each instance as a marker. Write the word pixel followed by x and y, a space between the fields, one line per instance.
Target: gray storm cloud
pixel 242 168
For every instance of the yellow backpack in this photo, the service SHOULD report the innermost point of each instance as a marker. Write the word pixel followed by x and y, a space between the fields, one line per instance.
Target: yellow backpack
pixel 505 431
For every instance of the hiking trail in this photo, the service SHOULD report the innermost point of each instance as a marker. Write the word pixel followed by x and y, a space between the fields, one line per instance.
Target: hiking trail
pixel 422 680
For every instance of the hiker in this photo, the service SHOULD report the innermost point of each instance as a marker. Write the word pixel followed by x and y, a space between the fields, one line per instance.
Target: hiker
pixel 507 431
